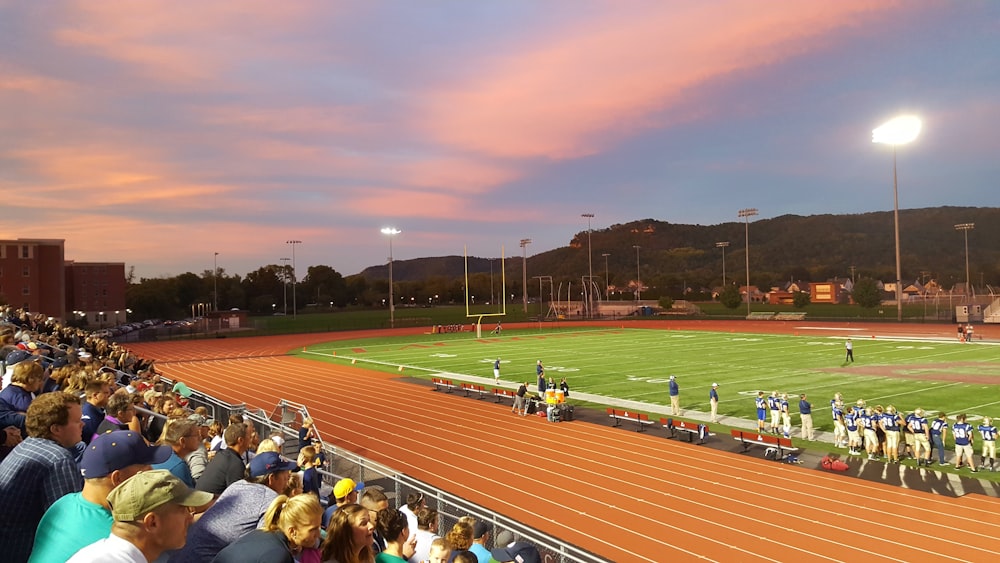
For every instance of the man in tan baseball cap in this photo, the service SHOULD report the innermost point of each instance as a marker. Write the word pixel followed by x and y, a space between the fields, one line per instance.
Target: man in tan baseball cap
pixel 152 512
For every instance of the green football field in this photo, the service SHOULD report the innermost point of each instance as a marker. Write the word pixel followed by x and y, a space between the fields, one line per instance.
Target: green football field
pixel 933 374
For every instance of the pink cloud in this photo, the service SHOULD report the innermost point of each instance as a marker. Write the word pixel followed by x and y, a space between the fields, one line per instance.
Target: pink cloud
pixel 571 94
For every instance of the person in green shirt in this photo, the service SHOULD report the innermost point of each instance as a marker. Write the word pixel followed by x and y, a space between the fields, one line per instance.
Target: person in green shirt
pixel 80 519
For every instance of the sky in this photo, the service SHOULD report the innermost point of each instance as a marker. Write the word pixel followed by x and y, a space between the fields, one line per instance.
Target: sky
pixel 159 133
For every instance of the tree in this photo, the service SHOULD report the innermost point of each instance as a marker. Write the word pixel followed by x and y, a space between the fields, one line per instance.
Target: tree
pixel 666 302
pixel 730 296
pixel 800 299
pixel 866 293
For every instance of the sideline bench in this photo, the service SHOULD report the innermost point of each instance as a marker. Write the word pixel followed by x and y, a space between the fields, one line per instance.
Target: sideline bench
pixel 778 444
pixel 445 384
pixel 790 317
pixel 640 419
pixel 691 429
pixel 761 315
pixel 473 388
pixel 501 393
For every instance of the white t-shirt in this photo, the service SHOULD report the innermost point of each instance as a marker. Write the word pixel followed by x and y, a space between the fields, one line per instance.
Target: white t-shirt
pixel 111 549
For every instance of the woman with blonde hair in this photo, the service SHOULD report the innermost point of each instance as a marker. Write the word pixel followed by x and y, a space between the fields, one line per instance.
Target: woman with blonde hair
pixel 460 535
pixel 268 445
pixel 290 524
pixel 349 536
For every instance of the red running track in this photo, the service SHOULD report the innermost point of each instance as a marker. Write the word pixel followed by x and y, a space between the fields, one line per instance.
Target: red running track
pixel 623 495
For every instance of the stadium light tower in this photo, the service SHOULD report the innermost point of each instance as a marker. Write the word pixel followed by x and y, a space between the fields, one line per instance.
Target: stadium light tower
pixel 215 282
pixel 723 246
pixel 391 232
pixel 284 279
pixel 966 227
pixel 590 268
pixel 746 214
pixel 294 306
pixel 638 284
pixel 897 131
pixel 524 271
pixel 607 277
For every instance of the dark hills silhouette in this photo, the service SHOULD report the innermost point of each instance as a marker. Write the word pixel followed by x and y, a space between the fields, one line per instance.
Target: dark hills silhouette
pixel 789 247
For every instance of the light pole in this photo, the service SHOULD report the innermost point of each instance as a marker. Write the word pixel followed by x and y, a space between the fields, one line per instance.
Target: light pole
pixel 524 271
pixel 215 282
pixel 897 131
pixel 391 232
pixel 295 307
pixel 590 268
pixel 284 280
pixel 638 283
pixel 746 214
pixel 723 246
pixel 966 227
pixel 493 298
pixel 607 278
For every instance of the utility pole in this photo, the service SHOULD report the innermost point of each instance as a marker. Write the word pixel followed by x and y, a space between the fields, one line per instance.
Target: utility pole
pixel 590 269
pixel 746 214
pixel 524 271
pixel 294 280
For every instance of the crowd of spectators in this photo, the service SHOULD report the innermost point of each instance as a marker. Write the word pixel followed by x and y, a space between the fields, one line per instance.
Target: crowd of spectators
pixel 101 460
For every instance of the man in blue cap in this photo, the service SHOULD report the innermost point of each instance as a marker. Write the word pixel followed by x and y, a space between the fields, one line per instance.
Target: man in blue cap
pixel 108 461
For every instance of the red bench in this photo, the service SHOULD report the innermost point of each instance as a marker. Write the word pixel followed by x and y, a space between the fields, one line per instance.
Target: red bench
pixel 445 384
pixel 501 393
pixel 473 388
pixel 776 444
pixel 639 418
pixel 691 429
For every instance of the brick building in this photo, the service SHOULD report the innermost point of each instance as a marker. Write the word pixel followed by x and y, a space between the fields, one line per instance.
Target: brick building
pixel 35 275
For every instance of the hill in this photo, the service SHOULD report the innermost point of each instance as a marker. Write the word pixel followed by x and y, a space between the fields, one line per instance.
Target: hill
pixel 789 247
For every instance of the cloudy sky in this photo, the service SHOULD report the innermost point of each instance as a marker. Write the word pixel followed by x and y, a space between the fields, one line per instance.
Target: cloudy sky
pixel 158 133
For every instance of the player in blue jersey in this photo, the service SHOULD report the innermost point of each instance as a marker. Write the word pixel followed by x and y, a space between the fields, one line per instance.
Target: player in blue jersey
pixel 774 405
pixel 939 432
pixel 786 416
pixel 989 435
pixel 868 423
pixel 921 438
pixel 890 423
pixel 761 405
pixel 839 430
pixel 962 431
pixel 853 436
pixel 540 372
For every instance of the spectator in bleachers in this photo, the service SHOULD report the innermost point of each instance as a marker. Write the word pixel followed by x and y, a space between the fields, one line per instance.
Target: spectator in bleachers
pixel 96 395
pixel 151 513
pixel 118 413
pixel 426 534
pixel 307 433
pixel 39 471
pixel 311 480
pixel 440 551
pixel 480 537
pixel 216 439
pixel 198 459
pixel 182 437
pixel 375 501
pixel 399 545
pixel 80 519
pixel 414 502
pixel 268 445
pixel 25 383
pixel 344 492
pixel 290 524
pixel 466 556
pixel 460 535
pixel 228 467
pixel 294 486
pixel 349 536
pixel 521 552
pixel 239 510
pixel 162 405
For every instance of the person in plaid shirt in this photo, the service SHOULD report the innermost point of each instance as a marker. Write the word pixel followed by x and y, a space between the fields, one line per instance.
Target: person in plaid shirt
pixel 39 471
